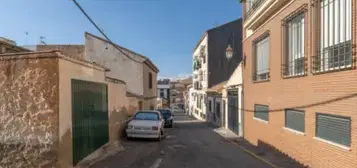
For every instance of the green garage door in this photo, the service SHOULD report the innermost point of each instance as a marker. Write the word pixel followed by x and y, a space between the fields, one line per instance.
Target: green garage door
pixel 89 118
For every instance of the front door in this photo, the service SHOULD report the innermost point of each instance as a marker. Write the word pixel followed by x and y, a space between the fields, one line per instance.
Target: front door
pixel 233 117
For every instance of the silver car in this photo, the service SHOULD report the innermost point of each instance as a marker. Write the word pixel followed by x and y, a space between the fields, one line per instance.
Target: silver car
pixel 146 124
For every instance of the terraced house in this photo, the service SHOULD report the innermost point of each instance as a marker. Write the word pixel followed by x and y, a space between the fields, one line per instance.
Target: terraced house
pixel 300 76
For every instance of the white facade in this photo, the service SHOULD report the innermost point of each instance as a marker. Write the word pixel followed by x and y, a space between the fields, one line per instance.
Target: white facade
pixel 200 75
pixel 234 84
pixel 163 89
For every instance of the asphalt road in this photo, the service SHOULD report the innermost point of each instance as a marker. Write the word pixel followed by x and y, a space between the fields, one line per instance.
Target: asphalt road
pixel 190 144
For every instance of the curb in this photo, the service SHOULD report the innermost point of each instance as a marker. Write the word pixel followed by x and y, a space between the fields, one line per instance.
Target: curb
pixel 254 155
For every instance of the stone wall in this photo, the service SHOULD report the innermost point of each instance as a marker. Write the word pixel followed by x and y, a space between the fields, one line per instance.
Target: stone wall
pixel 28 110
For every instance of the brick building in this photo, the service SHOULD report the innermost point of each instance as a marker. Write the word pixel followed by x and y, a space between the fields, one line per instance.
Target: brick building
pixel 299 79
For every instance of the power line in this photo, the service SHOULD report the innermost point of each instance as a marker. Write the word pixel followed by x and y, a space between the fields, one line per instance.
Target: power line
pixel 102 32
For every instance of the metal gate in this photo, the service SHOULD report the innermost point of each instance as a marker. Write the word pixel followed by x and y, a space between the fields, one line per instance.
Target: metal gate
pixel 233 117
pixel 89 118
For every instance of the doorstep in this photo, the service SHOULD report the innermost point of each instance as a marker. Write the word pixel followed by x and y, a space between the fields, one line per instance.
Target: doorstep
pixel 268 153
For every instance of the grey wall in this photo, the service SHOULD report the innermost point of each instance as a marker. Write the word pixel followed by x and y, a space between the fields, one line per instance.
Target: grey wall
pixel 219 68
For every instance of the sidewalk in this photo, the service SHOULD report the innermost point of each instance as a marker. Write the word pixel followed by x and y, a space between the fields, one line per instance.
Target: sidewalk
pixel 268 153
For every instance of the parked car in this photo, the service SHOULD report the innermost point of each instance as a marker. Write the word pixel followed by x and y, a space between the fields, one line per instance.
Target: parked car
pixel 176 109
pixel 168 116
pixel 146 124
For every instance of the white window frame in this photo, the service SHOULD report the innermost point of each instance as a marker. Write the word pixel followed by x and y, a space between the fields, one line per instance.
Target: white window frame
pixel 262 56
pixel 295 55
pixel 335 28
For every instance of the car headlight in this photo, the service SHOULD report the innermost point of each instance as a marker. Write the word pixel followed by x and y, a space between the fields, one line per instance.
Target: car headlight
pixel 129 127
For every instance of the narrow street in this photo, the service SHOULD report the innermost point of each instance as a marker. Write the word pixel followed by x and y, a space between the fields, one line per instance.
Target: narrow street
pixel 190 144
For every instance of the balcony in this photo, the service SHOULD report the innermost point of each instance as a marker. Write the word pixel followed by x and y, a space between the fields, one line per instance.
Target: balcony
pixel 258 11
pixel 251 7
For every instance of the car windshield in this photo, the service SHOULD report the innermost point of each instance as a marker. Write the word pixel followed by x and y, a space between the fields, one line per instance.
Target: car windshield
pixel 164 112
pixel 146 116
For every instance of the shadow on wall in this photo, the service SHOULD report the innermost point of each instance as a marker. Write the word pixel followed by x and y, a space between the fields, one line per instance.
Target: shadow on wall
pixel 276 154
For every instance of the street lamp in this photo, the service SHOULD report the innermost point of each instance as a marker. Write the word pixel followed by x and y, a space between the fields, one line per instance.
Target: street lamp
pixel 229 52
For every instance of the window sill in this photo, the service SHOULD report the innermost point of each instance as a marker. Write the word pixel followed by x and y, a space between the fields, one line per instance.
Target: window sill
pixel 261 120
pixel 294 131
pixel 261 81
pixel 333 143
pixel 294 76
pixel 333 70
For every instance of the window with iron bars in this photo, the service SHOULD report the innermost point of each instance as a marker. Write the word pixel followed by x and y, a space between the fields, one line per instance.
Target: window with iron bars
pixel 261 56
pixel 294 61
pixel 334 41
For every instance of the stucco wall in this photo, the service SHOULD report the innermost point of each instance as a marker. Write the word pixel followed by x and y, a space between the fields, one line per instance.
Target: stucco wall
pixel 118 110
pixel 150 94
pixel 69 70
pixel 121 66
pixel 28 111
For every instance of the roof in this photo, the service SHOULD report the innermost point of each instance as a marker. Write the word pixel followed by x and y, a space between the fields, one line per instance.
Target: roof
pixel 13 46
pixel 217 88
pixel 51 54
pixel 144 58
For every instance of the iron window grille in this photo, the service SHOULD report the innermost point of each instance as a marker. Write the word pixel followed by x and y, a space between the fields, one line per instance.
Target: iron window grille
pixel 261 48
pixel 294 60
pixel 251 7
pixel 334 36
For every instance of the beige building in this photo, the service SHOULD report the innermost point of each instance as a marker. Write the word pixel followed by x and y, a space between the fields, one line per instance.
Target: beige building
pixel 300 79
pixel 139 73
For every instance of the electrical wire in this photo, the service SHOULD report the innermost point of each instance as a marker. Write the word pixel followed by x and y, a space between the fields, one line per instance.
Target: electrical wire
pixel 102 32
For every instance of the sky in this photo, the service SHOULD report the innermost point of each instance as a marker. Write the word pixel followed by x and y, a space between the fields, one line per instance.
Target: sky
pixel 166 31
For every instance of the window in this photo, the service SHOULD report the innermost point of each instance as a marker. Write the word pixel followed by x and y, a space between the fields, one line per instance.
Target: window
pixel 261 112
pixel 162 93
pixel 334 128
pixel 335 35
pixel 295 120
pixel 261 71
pixel 150 80
pixel 294 61
pixel 146 116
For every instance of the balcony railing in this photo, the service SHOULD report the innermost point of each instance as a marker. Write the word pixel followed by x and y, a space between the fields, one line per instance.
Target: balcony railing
pixel 297 67
pixel 334 58
pixel 261 76
pixel 252 6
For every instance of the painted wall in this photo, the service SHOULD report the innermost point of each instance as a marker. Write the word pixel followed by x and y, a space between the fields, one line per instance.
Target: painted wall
pixel 69 70
pixel 150 94
pixel 118 109
pixel 121 67
pixel 28 110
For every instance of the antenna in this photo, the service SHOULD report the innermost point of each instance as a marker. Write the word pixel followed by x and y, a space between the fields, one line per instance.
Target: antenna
pixel 42 40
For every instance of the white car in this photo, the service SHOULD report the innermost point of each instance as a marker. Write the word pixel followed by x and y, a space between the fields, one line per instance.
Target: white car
pixel 146 124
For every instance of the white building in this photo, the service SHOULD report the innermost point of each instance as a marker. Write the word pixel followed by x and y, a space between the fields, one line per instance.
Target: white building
pixel 163 92
pixel 199 79
pixel 233 95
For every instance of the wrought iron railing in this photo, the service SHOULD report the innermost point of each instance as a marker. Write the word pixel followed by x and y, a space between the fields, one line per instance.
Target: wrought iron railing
pixel 254 5
pixel 334 58
pixel 297 67
pixel 262 75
